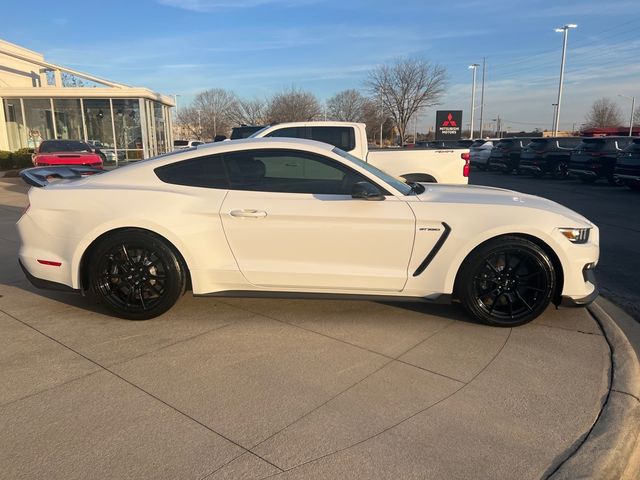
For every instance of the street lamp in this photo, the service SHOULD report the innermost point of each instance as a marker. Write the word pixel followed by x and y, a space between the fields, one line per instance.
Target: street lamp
pixel 565 31
pixel 553 125
pixel 473 67
pixel 633 107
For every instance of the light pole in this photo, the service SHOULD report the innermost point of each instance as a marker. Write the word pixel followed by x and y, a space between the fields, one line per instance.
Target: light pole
pixel 473 67
pixel 633 107
pixel 484 65
pixel 565 31
pixel 199 124
pixel 553 125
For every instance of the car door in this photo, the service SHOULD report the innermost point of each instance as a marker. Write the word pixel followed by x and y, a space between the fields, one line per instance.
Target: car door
pixel 291 222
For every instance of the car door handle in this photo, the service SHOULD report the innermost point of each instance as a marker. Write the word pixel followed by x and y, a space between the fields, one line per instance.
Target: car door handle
pixel 248 213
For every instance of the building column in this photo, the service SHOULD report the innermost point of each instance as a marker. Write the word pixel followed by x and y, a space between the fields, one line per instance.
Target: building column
pixel 4 134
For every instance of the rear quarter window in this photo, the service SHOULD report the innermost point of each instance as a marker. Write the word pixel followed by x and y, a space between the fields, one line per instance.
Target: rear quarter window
pixel 206 172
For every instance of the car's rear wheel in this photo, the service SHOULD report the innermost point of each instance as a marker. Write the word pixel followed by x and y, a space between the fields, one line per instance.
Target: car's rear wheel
pixel 506 282
pixel 559 171
pixel 136 275
pixel 615 181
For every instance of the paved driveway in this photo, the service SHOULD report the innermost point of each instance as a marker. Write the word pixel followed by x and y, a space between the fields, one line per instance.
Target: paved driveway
pixel 250 388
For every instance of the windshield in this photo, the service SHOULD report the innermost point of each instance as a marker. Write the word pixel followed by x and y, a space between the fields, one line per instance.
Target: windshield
pixel 257 134
pixel 385 177
pixel 52 146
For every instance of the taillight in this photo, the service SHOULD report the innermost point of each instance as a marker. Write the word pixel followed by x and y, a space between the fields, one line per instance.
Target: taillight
pixel 50 263
pixel 465 169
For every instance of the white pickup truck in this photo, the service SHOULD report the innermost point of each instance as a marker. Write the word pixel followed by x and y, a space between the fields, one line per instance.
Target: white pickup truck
pixel 440 165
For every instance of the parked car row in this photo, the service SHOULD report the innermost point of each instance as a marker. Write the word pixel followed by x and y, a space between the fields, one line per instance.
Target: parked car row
pixel 614 159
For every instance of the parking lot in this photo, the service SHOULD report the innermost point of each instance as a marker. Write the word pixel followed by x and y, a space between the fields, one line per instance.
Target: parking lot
pixel 254 388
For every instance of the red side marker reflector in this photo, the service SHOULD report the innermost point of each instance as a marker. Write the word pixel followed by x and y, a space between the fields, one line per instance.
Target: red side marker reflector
pixel 50 262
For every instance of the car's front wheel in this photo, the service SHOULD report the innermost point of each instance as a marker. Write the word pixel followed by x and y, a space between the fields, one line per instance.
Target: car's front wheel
pixel 136 275
pixel 506 282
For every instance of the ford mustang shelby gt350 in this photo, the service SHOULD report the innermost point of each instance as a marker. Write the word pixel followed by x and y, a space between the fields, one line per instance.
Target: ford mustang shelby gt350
pixel 283 216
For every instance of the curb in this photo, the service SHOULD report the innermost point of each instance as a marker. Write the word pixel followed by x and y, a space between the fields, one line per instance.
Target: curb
pixel 609 446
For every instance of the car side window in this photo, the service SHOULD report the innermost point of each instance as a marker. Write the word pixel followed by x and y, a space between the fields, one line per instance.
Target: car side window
pixel 341 137
pixel 289 171
pixel 207 172
pixel 290 132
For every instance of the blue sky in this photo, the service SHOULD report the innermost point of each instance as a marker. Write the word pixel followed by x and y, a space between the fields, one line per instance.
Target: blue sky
pixel 259 47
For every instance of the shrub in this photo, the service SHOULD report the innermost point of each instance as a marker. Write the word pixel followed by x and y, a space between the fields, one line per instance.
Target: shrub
pixel 19 159
pixel 5 160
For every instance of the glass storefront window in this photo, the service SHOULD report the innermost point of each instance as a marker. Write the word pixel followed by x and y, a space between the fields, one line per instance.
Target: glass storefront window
pixel 68 119
pixel 158 114
pixel 15 124
pixel 126 117
pixel 39 120
pixel 97 116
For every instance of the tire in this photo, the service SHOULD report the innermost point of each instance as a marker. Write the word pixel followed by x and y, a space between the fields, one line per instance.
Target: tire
pixel 559 171
pixel 506 282
pixel 614 181
pixel 136 275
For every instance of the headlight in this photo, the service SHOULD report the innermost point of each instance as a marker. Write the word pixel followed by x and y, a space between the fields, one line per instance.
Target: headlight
pixel 576 235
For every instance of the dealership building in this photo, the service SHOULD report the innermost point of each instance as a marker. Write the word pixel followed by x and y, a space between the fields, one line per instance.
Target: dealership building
pixel 41 101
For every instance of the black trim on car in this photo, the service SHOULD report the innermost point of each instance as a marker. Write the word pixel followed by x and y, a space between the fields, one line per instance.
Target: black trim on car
pixel 46 284
pixel 439 299
pixel 434 251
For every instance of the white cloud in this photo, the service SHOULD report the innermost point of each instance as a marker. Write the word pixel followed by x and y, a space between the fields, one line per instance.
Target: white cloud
pixel 205 6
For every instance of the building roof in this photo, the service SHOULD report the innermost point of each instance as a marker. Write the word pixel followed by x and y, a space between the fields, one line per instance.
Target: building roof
pixel 26 73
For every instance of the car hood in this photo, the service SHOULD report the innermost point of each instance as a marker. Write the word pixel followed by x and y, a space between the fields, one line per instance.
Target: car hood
pixel 472 194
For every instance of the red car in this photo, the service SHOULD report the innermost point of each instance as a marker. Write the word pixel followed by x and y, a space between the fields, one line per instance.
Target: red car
pixel 66 152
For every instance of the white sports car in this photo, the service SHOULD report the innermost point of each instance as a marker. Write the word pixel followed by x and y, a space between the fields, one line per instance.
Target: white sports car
pixel 294 217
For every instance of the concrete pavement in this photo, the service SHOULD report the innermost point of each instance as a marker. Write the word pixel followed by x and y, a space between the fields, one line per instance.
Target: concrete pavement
pixel 253 388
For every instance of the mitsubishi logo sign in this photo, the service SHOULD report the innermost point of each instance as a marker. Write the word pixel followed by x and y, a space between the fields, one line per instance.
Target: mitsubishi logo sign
pixel 448 124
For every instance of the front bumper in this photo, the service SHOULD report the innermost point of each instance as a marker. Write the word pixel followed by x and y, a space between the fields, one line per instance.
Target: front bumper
pixel 582 173
pixel 589 276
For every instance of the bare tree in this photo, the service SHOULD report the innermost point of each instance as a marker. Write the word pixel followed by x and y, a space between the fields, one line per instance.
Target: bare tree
pixel 347 106
pixel 406 87
pixel 293 105
pixel 636 117
pixel 210 114
pixel 250 112
pixel 603 113
pixel 374 116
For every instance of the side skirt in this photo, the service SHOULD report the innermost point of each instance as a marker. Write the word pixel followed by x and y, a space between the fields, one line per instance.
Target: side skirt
pixel 439 299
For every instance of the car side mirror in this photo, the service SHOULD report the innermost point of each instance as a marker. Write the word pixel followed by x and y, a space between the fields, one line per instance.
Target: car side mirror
pixel 366 191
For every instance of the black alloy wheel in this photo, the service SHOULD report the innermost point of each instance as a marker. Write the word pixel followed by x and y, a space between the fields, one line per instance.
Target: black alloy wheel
pixel 507 282
pixel 615 181
pixel 136 275
pixel 559 170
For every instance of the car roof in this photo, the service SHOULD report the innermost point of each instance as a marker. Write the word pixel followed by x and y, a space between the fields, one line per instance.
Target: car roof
pixel 269 141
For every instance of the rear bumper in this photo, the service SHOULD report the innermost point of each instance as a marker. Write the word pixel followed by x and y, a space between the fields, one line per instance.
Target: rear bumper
pixel 46 284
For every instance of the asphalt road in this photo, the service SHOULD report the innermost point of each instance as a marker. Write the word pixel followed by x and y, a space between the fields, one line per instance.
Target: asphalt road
pixel 616 211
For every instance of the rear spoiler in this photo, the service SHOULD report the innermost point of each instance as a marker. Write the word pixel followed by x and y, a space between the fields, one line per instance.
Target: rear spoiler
pixel 42 176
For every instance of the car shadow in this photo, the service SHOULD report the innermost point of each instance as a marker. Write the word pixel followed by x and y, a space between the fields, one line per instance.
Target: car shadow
pixel 450 311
